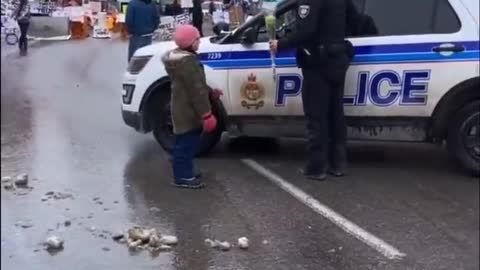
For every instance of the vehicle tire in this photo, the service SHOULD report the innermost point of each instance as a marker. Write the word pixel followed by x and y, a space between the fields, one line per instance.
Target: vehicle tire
pixel 463 139
pixel 163 126
pixel 11 39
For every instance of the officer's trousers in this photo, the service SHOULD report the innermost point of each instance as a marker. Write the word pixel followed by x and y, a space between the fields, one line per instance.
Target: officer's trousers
pixel 322 96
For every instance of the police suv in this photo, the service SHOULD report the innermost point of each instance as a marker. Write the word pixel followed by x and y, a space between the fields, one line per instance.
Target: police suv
pixel 414 77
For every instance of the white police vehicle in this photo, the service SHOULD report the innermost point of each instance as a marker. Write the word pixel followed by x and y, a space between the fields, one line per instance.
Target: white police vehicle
pixel 417 80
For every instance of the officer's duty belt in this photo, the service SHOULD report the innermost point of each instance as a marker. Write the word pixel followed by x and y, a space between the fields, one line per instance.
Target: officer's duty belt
pixel 333 49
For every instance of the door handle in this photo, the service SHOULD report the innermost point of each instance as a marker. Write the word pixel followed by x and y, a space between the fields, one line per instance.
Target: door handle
pixel 450 48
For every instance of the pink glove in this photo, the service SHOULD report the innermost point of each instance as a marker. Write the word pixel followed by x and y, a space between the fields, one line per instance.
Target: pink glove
pixel 209 122
pixel 216 93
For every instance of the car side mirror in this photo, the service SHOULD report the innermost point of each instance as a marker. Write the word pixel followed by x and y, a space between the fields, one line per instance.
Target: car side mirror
pixel 248 37
pixel 220 28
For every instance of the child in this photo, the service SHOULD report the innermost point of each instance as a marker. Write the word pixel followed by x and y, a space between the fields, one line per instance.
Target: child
pixel 190 104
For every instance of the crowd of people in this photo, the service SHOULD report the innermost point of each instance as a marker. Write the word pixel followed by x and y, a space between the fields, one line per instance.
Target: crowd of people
pixel 142 17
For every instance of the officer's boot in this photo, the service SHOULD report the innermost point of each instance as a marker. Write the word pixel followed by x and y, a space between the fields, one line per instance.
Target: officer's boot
pixel 313 174
pixel 338 160
pixel 315 168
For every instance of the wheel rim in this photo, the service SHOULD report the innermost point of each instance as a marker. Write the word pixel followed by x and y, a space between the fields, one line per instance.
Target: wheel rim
pixel 471 135
pixel 11 39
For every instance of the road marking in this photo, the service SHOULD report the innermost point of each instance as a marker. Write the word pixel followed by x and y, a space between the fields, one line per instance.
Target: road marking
pixel 374 242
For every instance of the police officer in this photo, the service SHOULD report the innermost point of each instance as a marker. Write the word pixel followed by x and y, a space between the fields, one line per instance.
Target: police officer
pixel 324 56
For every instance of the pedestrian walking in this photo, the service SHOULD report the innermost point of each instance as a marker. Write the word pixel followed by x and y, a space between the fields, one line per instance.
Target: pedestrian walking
pixel 323 56
pixel 21 13
pixel 211 7
pixel 142 20
pixel 190 104
pixel 197 16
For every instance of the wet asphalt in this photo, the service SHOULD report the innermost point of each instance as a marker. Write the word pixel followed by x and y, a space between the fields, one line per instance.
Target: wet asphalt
pixel 61 124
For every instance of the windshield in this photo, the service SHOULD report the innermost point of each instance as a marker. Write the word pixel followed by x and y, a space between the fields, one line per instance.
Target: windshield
pixel 253 21
pixel 258 20
pixel 250 23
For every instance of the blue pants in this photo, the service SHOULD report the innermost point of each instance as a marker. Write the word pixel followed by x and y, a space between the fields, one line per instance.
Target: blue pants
pixel 136 42
pixel 184 150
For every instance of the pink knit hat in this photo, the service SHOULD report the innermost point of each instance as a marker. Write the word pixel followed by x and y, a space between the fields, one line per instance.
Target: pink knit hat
pixel 185 35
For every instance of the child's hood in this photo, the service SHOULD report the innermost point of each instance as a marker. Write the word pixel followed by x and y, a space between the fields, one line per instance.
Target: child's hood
pixel 175 58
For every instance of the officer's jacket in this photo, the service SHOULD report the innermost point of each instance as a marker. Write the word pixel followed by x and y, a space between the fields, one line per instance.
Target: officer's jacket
pixel 318 22
pixel 320 32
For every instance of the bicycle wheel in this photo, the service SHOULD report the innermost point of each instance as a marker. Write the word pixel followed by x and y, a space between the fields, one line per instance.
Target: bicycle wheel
pixel 11 39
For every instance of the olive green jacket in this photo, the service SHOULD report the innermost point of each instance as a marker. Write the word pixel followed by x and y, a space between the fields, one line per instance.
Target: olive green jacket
pixel 190 92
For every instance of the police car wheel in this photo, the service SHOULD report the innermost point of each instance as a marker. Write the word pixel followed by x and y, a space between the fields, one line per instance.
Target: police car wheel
pixel 463 139
pixel 163 128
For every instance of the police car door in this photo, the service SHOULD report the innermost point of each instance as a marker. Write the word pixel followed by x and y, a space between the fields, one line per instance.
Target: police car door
pixel 413 52
pixel 253 88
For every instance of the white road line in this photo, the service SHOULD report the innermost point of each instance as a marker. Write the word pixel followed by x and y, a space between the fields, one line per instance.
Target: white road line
pixel 374 242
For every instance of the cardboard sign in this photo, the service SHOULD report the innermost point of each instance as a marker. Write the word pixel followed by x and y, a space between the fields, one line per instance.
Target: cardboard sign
pixel 60 13
pixel 95 7
pixel 75 13
pixel 121 18
pixel 187 3
pixel 236 15
pixel 220 16
pixel 182 18
pixel 42 8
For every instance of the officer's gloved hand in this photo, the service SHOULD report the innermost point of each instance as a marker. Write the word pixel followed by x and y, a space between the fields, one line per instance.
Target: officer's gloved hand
pixel 209 122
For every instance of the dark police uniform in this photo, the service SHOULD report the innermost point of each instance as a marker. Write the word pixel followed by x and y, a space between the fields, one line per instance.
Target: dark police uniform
pixel 323 56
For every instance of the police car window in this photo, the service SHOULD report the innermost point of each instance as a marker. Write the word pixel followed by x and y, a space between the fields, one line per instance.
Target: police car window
pixel 445 20
pixel 410 17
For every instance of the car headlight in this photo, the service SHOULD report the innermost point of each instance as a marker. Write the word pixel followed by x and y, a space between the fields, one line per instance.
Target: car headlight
pixel 137 63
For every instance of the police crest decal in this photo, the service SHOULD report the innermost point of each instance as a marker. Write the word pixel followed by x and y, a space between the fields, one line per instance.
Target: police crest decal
pixel 303 11
pixel 252 93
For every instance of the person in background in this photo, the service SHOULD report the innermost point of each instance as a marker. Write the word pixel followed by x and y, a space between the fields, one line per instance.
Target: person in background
pixel 191 108
pixel 174 9
pixel 197 16
pixel 211 7
pixel 21 13
pixel 142 20
pixel 158 3
pixel 254 7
